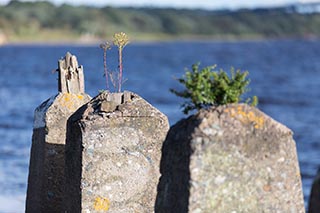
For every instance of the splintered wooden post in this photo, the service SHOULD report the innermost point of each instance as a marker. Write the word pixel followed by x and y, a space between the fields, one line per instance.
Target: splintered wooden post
pixel 46 182
pixel 71 78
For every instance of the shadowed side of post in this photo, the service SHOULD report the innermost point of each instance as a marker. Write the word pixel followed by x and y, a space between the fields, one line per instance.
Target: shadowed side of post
pixel 46 181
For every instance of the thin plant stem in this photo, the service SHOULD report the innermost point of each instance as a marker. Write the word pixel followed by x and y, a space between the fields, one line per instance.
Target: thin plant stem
pixel 105 67
pixel 105 46
pixel 120 40
pixel 120 70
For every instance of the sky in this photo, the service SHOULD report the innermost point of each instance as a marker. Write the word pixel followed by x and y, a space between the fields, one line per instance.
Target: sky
pixel 204 4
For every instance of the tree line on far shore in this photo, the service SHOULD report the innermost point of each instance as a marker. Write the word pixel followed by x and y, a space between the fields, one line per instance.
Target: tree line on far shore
pixel 43 20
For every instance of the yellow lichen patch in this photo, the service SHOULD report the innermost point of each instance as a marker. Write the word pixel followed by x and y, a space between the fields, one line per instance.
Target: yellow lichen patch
pixel 70 101
pixel 246 117
pixel 67 101
pixel 80 97
pixel 101 204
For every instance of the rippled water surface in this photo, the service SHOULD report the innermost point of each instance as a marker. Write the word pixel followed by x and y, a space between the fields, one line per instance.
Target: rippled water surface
pixel 284 75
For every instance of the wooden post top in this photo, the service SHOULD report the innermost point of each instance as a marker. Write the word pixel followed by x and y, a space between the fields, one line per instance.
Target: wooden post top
pixel 71 78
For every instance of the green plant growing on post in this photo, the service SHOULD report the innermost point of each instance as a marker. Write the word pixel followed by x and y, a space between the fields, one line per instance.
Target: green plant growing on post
pixel 206 88
pixel 105 46
pixel 121 40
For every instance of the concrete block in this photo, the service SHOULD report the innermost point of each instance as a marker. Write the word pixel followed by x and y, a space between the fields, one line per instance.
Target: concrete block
pixel 314 200
pixel 230 158
pixel 46 181
pixel 113 154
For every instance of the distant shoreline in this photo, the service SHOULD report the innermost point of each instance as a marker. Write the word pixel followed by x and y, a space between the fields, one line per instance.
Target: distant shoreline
pixel 44 22
pixel 138 41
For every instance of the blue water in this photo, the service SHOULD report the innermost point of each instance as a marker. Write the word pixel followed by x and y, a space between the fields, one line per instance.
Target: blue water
pixel 284 75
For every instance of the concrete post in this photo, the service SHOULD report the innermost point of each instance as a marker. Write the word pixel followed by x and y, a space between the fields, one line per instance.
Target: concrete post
pixel 230 158
pixel 314 200
pixel 113 154
pixel 46 182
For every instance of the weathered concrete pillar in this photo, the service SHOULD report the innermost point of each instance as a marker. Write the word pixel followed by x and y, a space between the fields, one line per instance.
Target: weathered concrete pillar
pixel 314 200
pixel 229 159
pixel 46 181
pixel 113 154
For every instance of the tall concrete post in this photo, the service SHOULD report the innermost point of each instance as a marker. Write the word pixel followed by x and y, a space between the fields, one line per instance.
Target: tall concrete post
pixel 231 158
pixel 314 199
pixel 113 154
pixel 46 182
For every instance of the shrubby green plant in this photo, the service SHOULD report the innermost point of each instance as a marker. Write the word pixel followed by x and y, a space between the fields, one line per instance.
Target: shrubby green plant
pixel 206 87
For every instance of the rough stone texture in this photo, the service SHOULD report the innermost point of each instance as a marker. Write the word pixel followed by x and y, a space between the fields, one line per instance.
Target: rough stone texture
pixel 229 159
pixel 314 200
pixel 113 154
pixel 46 171
pixel 46 181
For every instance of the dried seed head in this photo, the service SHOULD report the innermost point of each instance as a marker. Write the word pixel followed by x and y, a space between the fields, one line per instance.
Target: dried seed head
pixel 120 39
pixel 105 46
